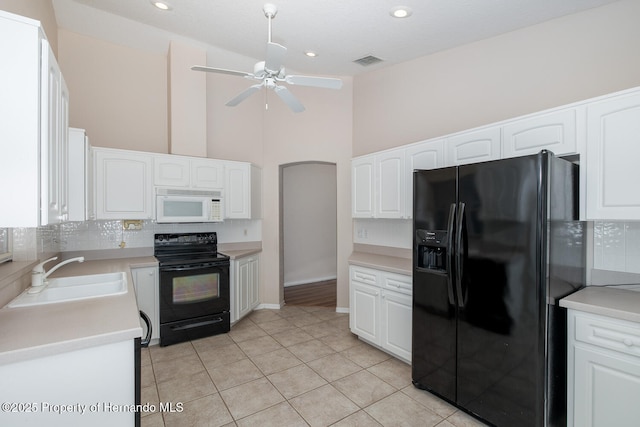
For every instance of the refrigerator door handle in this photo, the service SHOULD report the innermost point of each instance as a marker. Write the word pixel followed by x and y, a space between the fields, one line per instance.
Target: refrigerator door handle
pixel 450 225
pixel 458 254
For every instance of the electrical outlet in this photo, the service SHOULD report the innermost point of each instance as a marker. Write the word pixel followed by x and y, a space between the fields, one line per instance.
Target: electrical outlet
pixel 132 224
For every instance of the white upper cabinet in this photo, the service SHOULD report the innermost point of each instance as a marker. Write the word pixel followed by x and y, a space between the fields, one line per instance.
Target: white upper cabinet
pixel 378 185
pixel 207 174
pixel 555 132
pixel 362 187
pixel 473 147
pixel 389 184
pixel 187 172
pixel 80 176
pixel 54 141
pixel 423 155
pixel 33 127
pixel 613 150
pixel 243 190
pixel 124 184
pixel 171 171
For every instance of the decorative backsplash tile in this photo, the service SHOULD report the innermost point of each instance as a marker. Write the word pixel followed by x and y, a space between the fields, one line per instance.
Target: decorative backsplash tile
pixel 33 243
pixel 616 246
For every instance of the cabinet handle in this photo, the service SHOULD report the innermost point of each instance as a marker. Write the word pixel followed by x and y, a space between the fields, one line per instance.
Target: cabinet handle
pixel 612 336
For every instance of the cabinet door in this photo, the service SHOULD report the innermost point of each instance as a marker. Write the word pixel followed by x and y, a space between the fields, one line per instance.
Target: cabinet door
pixel 425 155
pixel 613 150
pixel 78 175
pixel 473 147
pixel 123 184
pixel 171 171
pixel 389 176
pixel 362 187
pixel 554 131
pixel 254 285
pixel 63 151
pixel 145 281
pixel 207 174
pixel 237 190
pixel 606 389
pixel 51 144
pixel 20 119
pixel 365 311
pixel 396 323
pixel 243 281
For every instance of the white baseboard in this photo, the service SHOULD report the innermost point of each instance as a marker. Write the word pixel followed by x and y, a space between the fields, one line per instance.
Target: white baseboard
pixel 310 280
pixel 342 309
pixel 268 307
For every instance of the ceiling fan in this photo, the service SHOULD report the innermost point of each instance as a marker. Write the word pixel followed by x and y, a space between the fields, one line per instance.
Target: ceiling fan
pixel 271 71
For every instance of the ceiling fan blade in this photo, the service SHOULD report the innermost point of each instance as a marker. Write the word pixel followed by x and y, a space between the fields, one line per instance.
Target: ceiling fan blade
pixel 323 82
pixel 244 95
pixel 289 99
pixel 275 57
pixel 221 71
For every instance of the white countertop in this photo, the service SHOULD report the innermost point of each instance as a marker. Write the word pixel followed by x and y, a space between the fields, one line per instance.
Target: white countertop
pixel 45 330
pixel 606 301
pixel 382 262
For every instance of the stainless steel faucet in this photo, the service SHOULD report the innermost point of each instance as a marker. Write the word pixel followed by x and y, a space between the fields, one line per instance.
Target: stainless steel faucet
pixel 38 275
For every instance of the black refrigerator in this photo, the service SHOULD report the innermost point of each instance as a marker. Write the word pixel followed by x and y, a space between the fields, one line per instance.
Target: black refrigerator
pixel 496 245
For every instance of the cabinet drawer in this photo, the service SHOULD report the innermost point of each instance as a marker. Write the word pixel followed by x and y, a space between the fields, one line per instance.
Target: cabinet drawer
pixel 612 334
pixel 364 275
pixel 397 282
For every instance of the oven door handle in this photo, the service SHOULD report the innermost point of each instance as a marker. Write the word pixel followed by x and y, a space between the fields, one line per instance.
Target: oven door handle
pixel 195 267
pixel 197 325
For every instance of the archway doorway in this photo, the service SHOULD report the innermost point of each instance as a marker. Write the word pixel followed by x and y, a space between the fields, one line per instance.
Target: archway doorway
pixel 308 217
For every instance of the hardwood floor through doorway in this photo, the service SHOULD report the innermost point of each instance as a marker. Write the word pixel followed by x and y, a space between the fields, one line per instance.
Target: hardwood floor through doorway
pixel 319 294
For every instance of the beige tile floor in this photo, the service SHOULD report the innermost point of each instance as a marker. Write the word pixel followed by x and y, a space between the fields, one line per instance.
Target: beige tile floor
pixel 297 366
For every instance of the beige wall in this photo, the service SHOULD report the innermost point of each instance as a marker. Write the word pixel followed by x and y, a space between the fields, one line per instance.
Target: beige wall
pixel 558 62
pixel 234 133
pixel 40 10
pixel 118 94
pixel 321 133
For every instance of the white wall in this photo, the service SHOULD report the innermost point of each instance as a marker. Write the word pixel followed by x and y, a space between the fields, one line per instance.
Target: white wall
pixel 309 222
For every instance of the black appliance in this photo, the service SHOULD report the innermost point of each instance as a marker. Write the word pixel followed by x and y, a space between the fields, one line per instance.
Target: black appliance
pixel 194 286
pixel 496 246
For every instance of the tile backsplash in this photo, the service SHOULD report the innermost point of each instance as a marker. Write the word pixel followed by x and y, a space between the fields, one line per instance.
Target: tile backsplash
pixel 616 246
pixel 33 243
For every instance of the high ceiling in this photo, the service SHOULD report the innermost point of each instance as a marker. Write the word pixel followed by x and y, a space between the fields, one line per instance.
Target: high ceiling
pixel 339 31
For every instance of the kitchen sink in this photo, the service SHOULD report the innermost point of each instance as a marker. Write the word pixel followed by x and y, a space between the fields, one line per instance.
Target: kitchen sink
pixel 64 289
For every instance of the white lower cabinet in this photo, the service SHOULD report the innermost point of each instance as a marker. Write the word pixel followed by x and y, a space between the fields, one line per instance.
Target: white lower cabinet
pixel 244 281
pixel 145 282
pixel 380 309
pixel 603 374
pixel 100 379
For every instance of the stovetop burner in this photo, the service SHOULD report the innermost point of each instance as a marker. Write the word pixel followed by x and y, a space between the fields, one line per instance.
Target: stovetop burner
pixel 187 248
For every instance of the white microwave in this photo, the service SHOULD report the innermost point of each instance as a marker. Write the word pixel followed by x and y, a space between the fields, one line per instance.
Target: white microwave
pixel 176 205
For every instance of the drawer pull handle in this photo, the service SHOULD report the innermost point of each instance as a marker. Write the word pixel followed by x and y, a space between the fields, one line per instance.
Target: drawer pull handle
pixel 599 333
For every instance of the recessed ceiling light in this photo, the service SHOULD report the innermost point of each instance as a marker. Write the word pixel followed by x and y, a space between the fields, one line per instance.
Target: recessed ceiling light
pixel 311 54
pixel 400 12
pixel 161 5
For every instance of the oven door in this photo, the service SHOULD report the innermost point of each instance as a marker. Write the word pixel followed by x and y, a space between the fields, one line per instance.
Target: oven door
pixel 192 291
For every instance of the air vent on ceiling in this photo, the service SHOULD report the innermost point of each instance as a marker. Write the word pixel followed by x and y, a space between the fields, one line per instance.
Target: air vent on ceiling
pixel 365 61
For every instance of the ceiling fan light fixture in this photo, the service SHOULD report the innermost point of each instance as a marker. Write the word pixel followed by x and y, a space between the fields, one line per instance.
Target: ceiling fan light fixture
pixel 161 5
pixel 400 12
